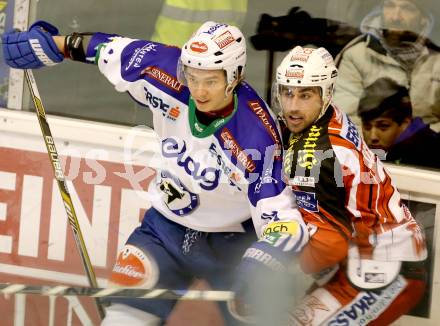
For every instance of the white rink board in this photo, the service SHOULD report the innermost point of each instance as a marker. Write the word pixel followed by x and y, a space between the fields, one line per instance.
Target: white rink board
pixel 106 172
pixel 105 167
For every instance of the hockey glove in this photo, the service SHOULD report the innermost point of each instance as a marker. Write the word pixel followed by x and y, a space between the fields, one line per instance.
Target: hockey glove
pixel 32 49
pixel 262 283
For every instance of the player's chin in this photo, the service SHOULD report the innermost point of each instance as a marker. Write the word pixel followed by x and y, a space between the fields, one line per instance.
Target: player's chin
pixel 205 108
pixel 203 105
pixel 378 147
pixel 296 127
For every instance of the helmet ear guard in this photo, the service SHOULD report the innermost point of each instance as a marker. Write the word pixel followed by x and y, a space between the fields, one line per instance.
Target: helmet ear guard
pixel 307 67
pixel 229 90
pixel 215 46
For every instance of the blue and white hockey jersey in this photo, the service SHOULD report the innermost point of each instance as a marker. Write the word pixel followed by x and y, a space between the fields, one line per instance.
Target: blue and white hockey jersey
pixel 213 178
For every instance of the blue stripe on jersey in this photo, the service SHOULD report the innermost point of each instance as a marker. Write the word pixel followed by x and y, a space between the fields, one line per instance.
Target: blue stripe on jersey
pixel 252 139
pixel 97 38
pixel 157 64
pixel 152 61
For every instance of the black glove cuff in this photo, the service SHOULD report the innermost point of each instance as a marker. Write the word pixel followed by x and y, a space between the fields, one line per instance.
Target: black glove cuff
pixel 73 46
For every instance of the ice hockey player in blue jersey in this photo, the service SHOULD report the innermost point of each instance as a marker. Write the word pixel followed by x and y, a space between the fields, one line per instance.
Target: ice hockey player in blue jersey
pixel 220 207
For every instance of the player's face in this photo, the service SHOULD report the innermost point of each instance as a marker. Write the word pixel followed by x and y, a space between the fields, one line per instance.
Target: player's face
pixel 207 88
pixel 402 15
pixel 382 132
pixel 301 106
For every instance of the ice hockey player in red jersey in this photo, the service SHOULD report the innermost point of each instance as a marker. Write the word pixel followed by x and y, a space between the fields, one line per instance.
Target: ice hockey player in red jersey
pixel 365 249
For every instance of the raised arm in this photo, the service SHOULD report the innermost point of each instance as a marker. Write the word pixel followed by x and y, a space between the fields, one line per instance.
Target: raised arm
pixel 41 45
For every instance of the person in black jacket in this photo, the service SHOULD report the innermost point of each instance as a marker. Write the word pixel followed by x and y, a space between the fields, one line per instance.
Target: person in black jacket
pixel 388 124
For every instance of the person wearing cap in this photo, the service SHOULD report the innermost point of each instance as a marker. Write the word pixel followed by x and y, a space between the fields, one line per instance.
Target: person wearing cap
pixel 395 44
pixel 388 124
pixel 365 249
pixel 218 199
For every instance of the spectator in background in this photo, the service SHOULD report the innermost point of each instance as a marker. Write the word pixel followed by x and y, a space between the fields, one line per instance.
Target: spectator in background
pixel 387 123
pixel 394 44
pixel 349 11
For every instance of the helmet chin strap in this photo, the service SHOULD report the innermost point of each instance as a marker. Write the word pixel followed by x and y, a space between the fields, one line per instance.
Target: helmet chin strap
pixel 280 113
pixel 325 102
pixel 230 88
pixel 323 110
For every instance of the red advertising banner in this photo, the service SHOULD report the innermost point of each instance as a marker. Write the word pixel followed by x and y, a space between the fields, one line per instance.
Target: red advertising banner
pixel 36 243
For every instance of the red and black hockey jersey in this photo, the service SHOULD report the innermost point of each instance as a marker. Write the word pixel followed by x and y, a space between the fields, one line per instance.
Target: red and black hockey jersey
pixel 346 196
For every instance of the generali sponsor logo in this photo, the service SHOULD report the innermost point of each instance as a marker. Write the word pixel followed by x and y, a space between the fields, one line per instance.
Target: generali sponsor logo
pixel 231 143
pixel 198 47
pixel 223 40
pixel 163 77
pixel 265 118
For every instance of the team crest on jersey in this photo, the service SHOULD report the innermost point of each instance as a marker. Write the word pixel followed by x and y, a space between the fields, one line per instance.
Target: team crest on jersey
pixel 307 200
pixel 177 198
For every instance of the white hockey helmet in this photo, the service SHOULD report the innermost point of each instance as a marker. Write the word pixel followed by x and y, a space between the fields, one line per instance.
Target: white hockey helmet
pixel 215 46
pixel 307 67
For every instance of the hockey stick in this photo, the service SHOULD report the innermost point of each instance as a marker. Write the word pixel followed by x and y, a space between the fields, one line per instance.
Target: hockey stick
pixel 62 186
pixel 61 290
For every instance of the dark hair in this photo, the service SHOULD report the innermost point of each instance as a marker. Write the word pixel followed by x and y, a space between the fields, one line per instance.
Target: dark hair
pixel 385 98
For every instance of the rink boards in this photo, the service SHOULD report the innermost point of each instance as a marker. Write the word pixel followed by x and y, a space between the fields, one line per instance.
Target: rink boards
pixel 107 173
pixel 106 184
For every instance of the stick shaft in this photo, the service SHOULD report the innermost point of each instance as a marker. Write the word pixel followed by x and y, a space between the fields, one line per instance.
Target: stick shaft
pixel 164 294
pixel 62 186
